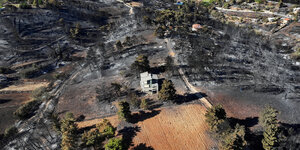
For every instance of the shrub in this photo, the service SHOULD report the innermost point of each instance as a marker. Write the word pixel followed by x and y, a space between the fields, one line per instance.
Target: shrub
pixel 226 5
pixel 95 137
pixel 29 72
pixel 92 138
pixel 39 93
pixel 10 132
pixel 144 104
pixel 60 76
pixel 106 128
pixel 75 31
pixel 114 144
pixel 27 110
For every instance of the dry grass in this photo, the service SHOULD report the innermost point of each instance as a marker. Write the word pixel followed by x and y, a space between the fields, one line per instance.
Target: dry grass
pixel 26 64
pixel 136 4
pixel 8 104
pixel 113 120
pixel 25 87
pixel 182 127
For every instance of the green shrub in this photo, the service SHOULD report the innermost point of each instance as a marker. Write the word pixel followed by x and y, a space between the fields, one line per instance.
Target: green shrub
pixel 124 111
pixel 226 5
pixel 39 93
pixel 144 104
pixel 10 132
pixel 26 110
pixel 106 128
pixel 114 144
pixel 29 72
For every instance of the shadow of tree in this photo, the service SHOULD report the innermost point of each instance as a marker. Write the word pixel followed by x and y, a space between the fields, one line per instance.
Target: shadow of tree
pixel 128 133
pixel 142 115
pixel 158 69
pixel 142 146
pixel 248 122
pixel 188 97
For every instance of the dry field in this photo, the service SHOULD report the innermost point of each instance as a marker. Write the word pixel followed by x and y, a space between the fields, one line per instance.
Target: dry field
pixel 25 87
pixel 181 127
pixel 175 128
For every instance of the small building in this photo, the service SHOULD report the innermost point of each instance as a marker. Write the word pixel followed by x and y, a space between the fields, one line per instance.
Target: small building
pixel 149 82
pixel 196 27
pixel 286 20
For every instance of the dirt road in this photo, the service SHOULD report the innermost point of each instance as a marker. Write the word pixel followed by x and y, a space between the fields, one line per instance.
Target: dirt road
pixel 191 88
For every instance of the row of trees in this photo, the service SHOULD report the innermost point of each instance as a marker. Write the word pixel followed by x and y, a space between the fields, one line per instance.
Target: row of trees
pixel 234 138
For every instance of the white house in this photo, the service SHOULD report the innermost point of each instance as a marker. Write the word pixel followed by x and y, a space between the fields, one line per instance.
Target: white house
pixel 149 82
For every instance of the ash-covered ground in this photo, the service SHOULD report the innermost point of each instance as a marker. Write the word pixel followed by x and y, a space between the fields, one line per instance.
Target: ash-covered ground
pixel 249 68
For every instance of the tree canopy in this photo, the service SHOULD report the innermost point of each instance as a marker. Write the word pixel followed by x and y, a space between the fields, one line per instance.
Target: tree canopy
pixel 168 91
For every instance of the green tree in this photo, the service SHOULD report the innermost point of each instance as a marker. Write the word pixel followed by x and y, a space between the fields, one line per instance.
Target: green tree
pixel 92 138
pixel 215 116
pixel 268 120
pixel 95 137
pixel 144 104
pixel 114 144
pixel 106 128
pixel 124 110
pixel 168 91
pixel 270 140
pixel 236 139
pixel 69 132
pixel 268 116
pixel 141 64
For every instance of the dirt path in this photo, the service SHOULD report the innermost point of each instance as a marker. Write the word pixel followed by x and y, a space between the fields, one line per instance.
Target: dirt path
pixel 250 11
pixel 191 88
